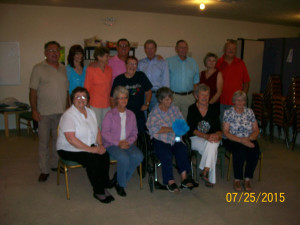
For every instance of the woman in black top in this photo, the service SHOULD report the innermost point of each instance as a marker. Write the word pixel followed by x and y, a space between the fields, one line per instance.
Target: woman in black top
pixel 205 133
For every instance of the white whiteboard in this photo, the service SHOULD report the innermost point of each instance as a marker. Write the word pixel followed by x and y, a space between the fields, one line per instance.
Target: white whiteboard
pixel 164 51
pixel 9 63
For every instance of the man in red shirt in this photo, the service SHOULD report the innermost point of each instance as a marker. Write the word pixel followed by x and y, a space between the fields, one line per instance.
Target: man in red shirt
pixel 235 75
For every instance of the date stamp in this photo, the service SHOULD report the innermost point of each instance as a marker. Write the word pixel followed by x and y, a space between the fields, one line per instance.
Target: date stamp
pixel 252 197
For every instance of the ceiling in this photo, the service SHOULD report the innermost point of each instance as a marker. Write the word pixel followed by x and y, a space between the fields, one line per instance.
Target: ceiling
pixel 283 12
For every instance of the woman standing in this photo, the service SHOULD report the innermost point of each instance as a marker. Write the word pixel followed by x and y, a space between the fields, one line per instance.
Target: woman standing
pixel 119 132
pixel 213 79
pixel 205 133
pixel 139 88
pixel 75 68
pixel 78 132
pixel 98 83
pixel 241 131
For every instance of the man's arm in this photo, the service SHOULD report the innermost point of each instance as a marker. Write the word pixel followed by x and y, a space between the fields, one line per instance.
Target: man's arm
pixel 33 103
pixel 68 100
pixel 148 96
pixel 246 87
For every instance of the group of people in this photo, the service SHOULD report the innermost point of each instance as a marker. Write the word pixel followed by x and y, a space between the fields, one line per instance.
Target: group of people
pixel 106 104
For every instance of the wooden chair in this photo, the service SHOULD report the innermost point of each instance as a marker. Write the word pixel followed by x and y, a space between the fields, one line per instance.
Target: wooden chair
pixel 228 155
pixel 221 154
pixel 26 119
pixel 64 165
pixel 198 156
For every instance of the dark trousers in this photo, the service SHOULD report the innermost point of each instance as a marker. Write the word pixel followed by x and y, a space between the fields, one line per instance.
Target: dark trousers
pixel 97 167
pixel 240 154
pixel 165 152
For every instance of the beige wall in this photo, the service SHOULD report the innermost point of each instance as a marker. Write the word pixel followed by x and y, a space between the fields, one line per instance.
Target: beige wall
pixel 32 26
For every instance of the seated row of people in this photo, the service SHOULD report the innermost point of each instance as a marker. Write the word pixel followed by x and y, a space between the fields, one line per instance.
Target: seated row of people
pixel 80 140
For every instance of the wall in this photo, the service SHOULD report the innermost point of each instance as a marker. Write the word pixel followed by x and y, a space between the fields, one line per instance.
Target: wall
pixel 32 26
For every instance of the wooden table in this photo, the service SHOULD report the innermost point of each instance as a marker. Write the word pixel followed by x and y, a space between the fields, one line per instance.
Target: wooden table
pixel 8 111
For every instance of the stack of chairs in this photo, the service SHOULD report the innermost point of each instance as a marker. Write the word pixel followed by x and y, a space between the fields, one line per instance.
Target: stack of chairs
pixel 279 117
pixel 262 102
pixel 293 107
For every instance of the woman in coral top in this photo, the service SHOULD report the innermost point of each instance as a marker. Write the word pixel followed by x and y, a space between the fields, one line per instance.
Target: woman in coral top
pixel 98 83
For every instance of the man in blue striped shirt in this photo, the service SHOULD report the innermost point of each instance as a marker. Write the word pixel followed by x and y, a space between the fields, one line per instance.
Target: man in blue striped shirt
pixel 155 68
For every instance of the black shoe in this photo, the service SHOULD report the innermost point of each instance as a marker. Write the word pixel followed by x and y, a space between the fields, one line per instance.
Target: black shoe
pixel 110 197
pixel 120 190
pixel 43 177
pixel 113 181
pixel 105 200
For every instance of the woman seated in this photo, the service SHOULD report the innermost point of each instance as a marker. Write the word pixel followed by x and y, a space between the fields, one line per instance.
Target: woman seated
pixel 80 140
pixel 241 131
pixel 205 133
pixel 119 132
pixel 159 123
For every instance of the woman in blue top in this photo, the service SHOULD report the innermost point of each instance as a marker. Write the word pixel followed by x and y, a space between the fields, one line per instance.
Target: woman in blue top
pixel 75 68
pixel 241 131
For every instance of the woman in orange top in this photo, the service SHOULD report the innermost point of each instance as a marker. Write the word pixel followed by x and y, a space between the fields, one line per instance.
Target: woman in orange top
pixel 98 83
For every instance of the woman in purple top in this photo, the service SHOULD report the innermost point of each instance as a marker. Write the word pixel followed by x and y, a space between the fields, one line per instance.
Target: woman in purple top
pixel 119 132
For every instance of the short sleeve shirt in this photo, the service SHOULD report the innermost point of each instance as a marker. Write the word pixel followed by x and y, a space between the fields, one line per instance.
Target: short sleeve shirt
pixel 52 86
pixel 137 86
pixel 240 125
pixel 85 129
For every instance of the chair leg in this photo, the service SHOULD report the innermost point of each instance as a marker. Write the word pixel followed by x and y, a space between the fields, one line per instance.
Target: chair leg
pixel 198 159
pixel 58 171
pixel 18 125
pixel 294 139
pixel 229 166
pixel 260 165
pixel 67 183
pixel 222 165
pixel 141 177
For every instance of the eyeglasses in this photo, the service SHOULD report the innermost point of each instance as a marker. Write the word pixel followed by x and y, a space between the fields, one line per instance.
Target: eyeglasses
pixel 122 98
pixel 53 50
pixel 80 97
pixel 132 64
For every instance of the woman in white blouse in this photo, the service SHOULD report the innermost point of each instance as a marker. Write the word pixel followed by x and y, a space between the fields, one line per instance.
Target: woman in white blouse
pixel 80 140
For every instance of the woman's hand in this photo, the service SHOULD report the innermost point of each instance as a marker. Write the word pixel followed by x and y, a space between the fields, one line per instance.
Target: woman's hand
pixel 123 144
pixel 213 137
pixel 100 149
pixel 247 142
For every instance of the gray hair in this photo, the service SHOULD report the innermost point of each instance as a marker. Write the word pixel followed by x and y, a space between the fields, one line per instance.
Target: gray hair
pixel 201 87
pixel 150 41
pixel 118 90
pixel 239 94
pixel 163 92
pixel 230 41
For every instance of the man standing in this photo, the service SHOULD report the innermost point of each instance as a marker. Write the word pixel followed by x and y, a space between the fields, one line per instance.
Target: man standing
pixel 235 75
pixel 184 75
pixel 48 99
pixel 155 69
pixel 117 62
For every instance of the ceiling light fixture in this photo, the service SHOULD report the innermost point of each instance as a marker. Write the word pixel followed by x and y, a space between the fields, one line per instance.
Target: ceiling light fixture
pixel 202 6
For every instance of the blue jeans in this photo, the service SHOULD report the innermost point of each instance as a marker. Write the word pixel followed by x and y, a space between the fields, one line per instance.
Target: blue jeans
pixel 128 161
pixel 165 152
